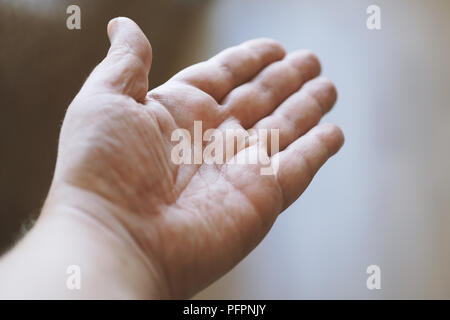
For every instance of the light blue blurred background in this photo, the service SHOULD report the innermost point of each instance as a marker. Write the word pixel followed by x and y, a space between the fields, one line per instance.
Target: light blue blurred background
pixel 385 198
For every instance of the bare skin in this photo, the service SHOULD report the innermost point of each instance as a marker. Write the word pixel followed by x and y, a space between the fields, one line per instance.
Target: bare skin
pixel 141 226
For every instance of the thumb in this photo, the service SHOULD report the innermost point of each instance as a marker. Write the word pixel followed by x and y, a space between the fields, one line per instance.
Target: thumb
pixel 125 68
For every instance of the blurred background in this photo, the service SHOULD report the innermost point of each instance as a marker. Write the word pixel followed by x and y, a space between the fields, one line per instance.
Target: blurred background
pixel 383 200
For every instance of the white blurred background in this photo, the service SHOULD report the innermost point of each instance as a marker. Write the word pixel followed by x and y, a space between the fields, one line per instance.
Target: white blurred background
pixel 383 200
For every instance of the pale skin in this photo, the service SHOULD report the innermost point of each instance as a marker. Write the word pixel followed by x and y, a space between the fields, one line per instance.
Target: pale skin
pixel 140 226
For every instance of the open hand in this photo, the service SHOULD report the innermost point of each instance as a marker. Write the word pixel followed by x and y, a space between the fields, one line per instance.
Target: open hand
pixel 190 223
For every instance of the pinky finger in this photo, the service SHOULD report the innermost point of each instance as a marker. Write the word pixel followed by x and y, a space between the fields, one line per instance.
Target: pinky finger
pixel 300 161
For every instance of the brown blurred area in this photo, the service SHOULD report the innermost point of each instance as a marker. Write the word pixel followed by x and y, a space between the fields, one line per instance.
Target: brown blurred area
pixel 43 65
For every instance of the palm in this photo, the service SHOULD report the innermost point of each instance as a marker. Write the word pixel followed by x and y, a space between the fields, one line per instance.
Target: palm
pixel 196 217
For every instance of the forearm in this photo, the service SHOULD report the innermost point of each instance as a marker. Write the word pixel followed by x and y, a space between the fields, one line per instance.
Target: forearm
pixel 37 268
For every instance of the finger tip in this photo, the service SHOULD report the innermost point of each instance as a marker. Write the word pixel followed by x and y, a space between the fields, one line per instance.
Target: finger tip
pixel 112 27
pixel 123 30
pixel 115 24
pixel 276 46
pixel 333 136
pixel 307 61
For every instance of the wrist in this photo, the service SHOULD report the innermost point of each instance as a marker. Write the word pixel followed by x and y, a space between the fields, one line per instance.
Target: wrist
pixel 111 265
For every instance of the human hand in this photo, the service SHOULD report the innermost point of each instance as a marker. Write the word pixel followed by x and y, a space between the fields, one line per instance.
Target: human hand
pixel 189 224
